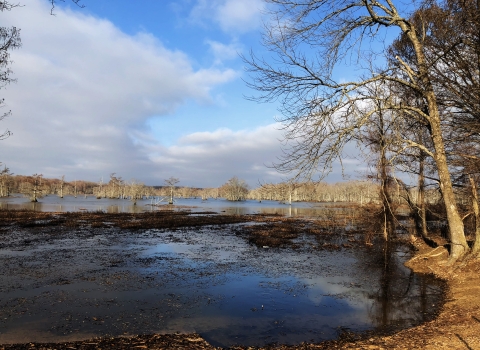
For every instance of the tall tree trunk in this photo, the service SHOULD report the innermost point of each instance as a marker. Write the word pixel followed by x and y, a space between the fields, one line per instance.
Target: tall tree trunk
pixel 61 186
pixel 459 246
pixel 476 212
pixel 388 215
pixel 421 217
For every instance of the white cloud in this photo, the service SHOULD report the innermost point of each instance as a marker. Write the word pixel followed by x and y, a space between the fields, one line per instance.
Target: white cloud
pixel 233 16
pixel 216 156
pixel 85 90
pixel 223 52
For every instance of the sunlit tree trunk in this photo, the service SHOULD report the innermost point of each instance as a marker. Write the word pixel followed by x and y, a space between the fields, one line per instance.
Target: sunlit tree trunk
pixel 62 182
pixel 459 246
pixel 476 212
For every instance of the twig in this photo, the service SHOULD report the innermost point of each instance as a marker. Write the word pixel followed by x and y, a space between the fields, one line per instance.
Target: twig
pixel 428 255
pixel 463 341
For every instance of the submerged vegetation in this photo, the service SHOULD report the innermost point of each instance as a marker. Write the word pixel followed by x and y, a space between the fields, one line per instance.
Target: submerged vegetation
pixel 74 256
pixel 119 238
pixel 420 211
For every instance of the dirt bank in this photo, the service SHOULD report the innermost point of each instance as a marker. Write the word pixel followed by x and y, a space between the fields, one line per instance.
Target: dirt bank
pixel 457 326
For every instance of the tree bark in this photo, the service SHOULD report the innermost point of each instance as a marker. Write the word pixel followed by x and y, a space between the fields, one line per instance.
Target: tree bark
pixel 421 217
pixel 459 246
pixel 389 219
pixel 476 212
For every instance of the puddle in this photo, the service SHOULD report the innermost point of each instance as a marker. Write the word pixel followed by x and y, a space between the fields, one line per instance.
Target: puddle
pixel 205 280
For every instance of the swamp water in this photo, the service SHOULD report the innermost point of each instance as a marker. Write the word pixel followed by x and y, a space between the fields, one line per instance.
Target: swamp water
pixel 53 203
pixel 83 283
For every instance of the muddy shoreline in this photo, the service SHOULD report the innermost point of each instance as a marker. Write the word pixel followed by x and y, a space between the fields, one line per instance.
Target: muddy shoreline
pixel 263 231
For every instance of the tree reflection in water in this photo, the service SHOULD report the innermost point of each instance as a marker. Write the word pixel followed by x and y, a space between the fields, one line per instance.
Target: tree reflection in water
pixel 400 295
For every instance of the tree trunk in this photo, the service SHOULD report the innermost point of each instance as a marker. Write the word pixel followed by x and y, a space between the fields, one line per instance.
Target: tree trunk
pixel 389 219
pixel 459 246
pixel 476 212
pixel 421 217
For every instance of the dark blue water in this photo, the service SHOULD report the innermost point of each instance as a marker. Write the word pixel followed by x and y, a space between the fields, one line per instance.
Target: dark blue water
pixel 78 284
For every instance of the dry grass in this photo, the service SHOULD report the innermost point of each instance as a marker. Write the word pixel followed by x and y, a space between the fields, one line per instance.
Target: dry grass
pixel 157 219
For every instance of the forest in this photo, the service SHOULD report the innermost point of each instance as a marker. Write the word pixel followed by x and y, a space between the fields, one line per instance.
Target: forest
pixel 36 186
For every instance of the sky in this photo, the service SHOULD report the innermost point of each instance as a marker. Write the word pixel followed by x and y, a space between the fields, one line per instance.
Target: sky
pixel 145 89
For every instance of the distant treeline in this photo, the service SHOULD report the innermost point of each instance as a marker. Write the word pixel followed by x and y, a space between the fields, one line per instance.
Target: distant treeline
pixel 36 186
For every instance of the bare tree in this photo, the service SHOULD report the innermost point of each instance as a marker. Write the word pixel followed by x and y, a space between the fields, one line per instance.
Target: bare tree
pixel 136 191
pixel 54 3
pixel 235 189
pixel 9 40
pixel 452 40
pixel 309 40
pixel 115 186
pixel 62 183
pixel 171 182
pixel 5 176
pixel 33 187
pixel 378 135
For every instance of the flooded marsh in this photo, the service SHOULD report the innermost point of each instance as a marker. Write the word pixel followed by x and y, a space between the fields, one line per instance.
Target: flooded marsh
pixel 246 280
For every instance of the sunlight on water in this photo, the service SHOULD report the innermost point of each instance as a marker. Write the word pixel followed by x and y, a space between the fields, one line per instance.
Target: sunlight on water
pixel 69 203
pixel 94 282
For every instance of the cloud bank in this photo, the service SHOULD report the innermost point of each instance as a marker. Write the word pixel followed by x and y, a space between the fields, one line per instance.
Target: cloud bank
pixel 86 90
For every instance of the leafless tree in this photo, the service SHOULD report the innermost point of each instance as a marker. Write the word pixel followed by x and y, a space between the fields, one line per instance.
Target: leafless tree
pixel 9 40
pixel 379 136
pixel 235 189
pixel 115 186
pixel 136 191
pixel 62 183
pixel 100 191
pixel 309 40
pixel 171 182
pixel 54 3
pixel 33 187
pixel 5 178
pixel 452 40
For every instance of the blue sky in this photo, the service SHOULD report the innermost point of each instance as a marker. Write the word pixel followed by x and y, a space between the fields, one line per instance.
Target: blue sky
pixel 146 89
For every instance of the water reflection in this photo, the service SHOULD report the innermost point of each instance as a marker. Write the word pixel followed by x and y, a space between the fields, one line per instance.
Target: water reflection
pixel 400 290
pixel 210 282
pixel 90 203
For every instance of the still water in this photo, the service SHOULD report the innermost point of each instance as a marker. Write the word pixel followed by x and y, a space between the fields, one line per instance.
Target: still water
pixel 53 203
pixel 94 282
